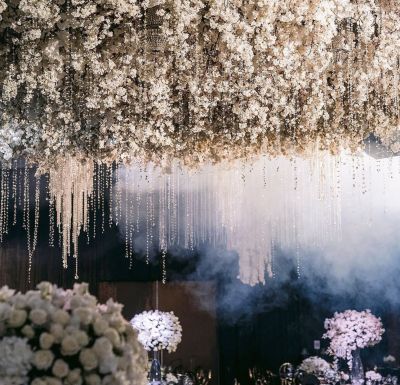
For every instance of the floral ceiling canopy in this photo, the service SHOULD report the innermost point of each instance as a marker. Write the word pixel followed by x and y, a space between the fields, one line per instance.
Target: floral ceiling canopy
pixel 195 80
pixel 85 84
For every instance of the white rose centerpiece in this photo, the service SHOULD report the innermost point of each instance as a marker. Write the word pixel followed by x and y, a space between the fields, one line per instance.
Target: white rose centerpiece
pixel 158 330
pixel 64 337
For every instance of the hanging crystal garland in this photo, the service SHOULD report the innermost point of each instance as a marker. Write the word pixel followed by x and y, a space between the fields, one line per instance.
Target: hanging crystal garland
pixel 70 188
pixel 253 208
pixel 234 207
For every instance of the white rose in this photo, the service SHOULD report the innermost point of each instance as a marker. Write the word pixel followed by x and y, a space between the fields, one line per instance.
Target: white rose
pixel 19 301
pixel 84 315
pixel 53 381
pixel 93 379
pixel 107 380
pixel 43 359
pixel 5 311
pixel 69 346
pixel 46 289
pixel 102 347
pixel 100 326
pixel 60 368
pixel 38 316
pixel 108 364
pixel 82 338
pixel 61 317
pixel 17 318
pixel 74 377
pixel 113 336
pixel 6 293
pixel 57 331
pixel 39 381
pixel 46 340
pixel 28 331
pixel 118 323
pixel 88 359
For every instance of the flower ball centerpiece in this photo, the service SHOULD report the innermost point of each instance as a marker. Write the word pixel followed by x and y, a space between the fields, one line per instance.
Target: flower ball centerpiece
pixel 351 331
pixel 52 336
pixel 158 330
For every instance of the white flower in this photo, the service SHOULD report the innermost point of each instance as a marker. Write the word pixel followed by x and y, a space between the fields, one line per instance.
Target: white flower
pixel 93 379
pixel 39 381
pixel 100 326
pixel 82 338
pixel 38 316
pixel 158 330
pixel 60 368
pixel 58 331
pixel 389 358
pixel 53 381
pixel 5 311
pixel 373 376
pixel 15 360
pixel 69 345
pixel 171 378
pixel 83 315
pixel 46 340
pixel 17 318
pixel 28 331
pixel 6 293
pixel 43 359
pixel 102 347
pixel 112 336
pixel 74 377
pixel 88 359
pixel 45 289
pixel 61 317
pixel 319 367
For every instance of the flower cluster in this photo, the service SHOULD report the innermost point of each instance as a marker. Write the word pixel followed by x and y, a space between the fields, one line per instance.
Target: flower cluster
pixel 52 336
pixel 373 376
pixel 158 330
pixel 389 359
pixel 195 80
pixel 15 360
pixel 319 367
pixel 351 330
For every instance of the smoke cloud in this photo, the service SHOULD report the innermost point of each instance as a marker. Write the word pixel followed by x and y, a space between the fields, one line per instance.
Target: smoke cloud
pixel 330 225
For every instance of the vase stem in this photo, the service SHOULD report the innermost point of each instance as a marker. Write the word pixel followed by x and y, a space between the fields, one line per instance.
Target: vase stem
pixel 155 369
pixel 357 369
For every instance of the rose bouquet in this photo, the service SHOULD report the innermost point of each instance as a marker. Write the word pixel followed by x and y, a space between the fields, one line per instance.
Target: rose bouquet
pixel 351 330
pixel 52 336
pixel 158 330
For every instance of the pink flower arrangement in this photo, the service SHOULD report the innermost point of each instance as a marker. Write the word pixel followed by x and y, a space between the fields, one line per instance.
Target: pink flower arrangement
pixel 351 330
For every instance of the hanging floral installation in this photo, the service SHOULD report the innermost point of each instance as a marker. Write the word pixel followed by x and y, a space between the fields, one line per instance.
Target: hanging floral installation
pixel 86 86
